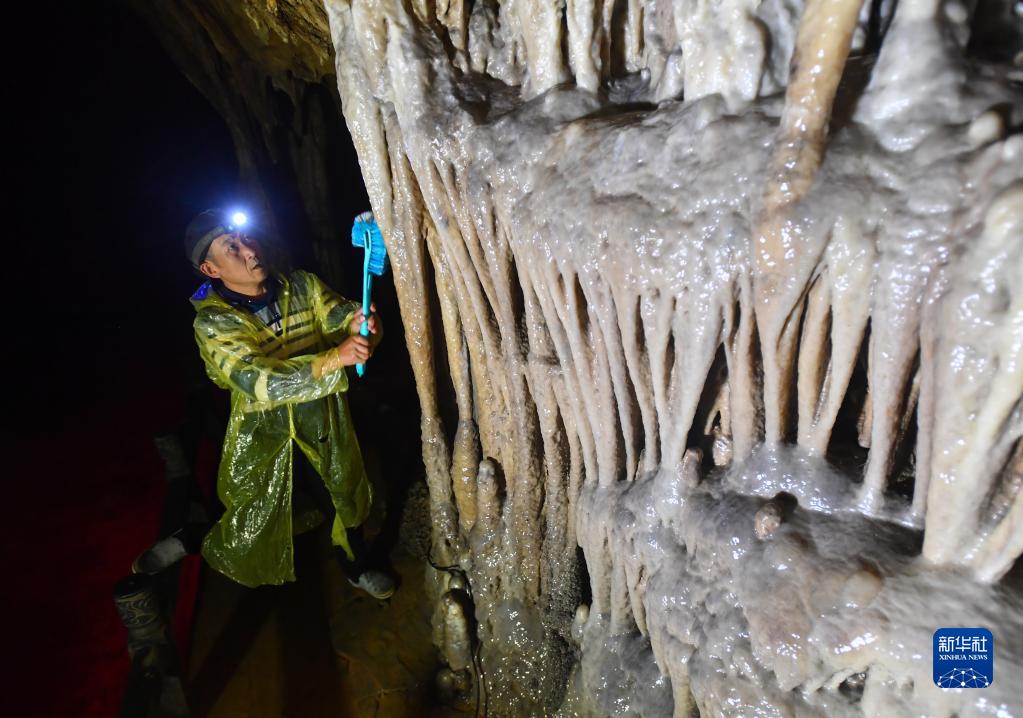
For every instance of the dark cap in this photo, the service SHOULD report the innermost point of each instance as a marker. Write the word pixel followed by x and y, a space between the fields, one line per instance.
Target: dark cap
pixel 201 232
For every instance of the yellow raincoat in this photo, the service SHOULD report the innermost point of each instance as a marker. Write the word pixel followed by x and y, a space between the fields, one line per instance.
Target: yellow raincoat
pixel 277 400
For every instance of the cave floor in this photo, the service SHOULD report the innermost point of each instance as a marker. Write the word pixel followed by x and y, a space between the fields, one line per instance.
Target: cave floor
pixel 316 647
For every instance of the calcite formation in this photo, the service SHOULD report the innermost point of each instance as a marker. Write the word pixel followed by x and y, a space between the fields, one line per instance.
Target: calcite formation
pixel 714 310
pixel 727 295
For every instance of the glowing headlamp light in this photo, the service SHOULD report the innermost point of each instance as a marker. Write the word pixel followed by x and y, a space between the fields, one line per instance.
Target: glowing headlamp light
pixel 238 220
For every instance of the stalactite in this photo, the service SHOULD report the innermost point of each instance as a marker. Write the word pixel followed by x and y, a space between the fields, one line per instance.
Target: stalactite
pixel 849 259
pixel 784 256
pixel 636 361
pixel 988 376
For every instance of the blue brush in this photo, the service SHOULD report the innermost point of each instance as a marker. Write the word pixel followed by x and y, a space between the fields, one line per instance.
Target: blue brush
pixel 366 234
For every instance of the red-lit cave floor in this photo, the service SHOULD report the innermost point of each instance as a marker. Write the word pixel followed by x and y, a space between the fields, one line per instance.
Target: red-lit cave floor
pixel 83 491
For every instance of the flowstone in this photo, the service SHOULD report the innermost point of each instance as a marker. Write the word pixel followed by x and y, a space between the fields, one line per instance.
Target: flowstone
pixel 727 295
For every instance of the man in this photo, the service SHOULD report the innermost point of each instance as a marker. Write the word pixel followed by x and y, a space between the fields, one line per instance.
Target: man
pixel 279 344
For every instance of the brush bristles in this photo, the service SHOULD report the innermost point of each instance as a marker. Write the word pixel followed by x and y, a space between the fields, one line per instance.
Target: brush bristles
pixel 367 230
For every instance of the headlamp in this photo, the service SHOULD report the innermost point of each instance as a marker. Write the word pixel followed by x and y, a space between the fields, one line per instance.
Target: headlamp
pixel 215 223
pixel 238 220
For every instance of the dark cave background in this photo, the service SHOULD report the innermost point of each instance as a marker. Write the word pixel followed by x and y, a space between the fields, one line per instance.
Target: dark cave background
pixel 112 151
pixel 115 150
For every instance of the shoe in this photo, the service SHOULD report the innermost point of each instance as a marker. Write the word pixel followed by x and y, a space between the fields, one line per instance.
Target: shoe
pixel 161 555
pixel 376 583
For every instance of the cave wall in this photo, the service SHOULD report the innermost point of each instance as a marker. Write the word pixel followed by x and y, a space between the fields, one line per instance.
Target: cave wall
pixel 677 293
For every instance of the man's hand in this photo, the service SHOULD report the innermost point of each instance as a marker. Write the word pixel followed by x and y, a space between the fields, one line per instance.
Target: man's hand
pixel 374 322
pixel 354 350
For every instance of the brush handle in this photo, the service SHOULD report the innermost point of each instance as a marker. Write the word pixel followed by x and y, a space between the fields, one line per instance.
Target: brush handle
pixel 367 281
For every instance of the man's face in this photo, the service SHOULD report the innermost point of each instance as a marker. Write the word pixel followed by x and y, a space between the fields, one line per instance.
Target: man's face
pixel 236 260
